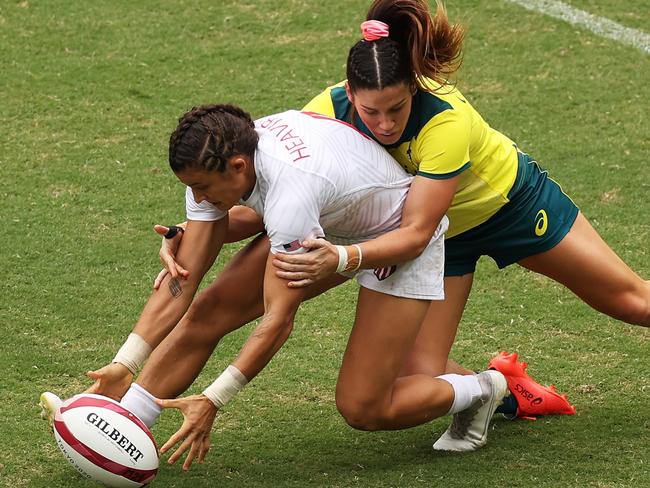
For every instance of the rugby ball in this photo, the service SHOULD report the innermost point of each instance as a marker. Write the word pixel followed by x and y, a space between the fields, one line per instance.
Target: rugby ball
pixel 105 442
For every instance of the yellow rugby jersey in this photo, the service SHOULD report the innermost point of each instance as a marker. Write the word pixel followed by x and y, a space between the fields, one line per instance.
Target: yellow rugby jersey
pixel 445 136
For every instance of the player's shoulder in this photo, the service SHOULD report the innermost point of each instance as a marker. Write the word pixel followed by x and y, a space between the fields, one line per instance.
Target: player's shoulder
pixel 434 100
pixel 441 108
pixel 332 102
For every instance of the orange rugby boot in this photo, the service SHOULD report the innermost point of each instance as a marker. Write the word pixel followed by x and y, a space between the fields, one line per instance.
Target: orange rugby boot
pixel 532 398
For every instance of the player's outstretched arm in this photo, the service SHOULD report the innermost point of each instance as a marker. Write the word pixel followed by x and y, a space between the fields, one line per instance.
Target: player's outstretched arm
pixel 199 411
pixel 425 206
pixel 165 307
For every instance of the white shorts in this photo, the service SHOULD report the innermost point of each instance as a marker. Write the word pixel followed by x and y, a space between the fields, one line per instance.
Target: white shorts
pixel 421 278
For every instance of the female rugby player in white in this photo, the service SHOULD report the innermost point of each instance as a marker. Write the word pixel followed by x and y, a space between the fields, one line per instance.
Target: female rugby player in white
pixel 308 176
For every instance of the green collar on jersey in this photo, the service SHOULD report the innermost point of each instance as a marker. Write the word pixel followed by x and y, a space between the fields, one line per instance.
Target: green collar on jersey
pixel 425 106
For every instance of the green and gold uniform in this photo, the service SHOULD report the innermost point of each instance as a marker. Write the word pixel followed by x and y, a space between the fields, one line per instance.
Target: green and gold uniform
pixel 505 206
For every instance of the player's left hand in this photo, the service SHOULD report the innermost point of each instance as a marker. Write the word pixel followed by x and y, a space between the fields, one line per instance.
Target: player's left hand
pixel 307 268
pixel 198 416
pixel 113 380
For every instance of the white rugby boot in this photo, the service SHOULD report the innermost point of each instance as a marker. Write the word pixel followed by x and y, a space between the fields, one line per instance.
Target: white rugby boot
pixel 49 403
pixel 469 428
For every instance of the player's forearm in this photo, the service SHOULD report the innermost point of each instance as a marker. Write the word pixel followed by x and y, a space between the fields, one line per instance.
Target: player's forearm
pixel 265 341
pixel 424 208
pixel 166 306
pixel 395 247
pixel 256 353
pixel 281 304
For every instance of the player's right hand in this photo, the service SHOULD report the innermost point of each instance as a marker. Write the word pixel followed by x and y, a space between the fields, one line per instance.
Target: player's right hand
pixel 198 416
pixel 167 255
pixel 307 268
pixel 113 380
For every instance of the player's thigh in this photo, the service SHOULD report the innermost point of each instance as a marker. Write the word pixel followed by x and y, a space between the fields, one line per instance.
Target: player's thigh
pixel 236 297
pixel 238 289
pixel 438 331
pixel 383 334
pixel 585 264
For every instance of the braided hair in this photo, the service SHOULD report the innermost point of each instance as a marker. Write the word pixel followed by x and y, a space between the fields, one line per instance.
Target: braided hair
pixel 419 46
pixel 208 136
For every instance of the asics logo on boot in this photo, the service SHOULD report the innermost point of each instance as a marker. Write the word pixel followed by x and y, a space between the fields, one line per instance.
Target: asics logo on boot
pixel 528 395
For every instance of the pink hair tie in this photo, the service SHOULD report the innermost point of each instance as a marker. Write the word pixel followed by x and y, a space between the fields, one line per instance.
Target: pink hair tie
pixel 374 29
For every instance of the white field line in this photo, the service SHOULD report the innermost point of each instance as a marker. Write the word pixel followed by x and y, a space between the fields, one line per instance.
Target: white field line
pixel 598 25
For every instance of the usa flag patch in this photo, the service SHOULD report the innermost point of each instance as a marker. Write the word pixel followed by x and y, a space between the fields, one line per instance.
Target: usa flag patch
pixel 292 246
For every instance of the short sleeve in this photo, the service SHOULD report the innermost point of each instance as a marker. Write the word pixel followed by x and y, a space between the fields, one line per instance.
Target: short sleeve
pixel 291 217
pixel 203 211
pixel 321 104
pixel 443 145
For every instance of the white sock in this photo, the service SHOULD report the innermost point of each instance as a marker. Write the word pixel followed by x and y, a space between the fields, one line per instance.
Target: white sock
pixel 466 390
pixel 142 403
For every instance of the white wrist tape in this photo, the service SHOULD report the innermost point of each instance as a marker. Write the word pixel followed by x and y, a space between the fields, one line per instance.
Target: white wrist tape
pixel 133 353
pixel 225 386
pixel 356 268
pixel 343 259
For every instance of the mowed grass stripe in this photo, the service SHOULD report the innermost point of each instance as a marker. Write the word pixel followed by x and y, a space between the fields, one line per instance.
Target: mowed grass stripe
pixel 598 25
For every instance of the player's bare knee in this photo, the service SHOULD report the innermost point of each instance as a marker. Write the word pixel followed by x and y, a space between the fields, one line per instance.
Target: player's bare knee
pixel 197 315
pixel 359 415
pixel 199 325
pixel 634 307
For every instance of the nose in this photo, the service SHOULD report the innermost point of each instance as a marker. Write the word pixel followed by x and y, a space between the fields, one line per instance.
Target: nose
pixel 386 123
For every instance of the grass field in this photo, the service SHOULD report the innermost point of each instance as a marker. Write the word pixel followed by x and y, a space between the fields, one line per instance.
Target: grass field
pixel 89 92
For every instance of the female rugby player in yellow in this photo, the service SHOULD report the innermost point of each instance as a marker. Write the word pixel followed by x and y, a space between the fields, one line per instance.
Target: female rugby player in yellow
pixel 499 201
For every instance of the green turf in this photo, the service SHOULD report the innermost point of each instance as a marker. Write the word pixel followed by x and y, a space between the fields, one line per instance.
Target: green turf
pixel 89 93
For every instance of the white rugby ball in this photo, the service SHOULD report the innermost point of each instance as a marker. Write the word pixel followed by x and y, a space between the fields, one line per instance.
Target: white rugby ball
pixel 105 442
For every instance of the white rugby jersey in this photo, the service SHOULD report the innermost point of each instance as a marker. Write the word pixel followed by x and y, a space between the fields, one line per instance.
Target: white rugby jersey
pixel 319 177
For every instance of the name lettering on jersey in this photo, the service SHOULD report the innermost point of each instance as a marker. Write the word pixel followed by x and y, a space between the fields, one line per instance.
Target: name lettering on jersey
pixel 281 130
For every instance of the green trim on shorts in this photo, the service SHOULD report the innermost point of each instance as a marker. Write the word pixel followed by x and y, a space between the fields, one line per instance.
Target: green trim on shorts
pixel 536 218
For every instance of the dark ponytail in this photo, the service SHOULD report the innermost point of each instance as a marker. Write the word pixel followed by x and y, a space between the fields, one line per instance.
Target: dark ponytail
pixel 208 136
pixel 419 46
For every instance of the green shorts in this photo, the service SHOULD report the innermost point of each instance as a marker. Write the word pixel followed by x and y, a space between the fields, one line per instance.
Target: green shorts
pixel 536 218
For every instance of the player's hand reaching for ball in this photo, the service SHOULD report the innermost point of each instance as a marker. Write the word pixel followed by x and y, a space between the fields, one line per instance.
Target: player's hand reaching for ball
pixel 307 268
pixel 113 380
pixel 167 253
pixel 198 416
